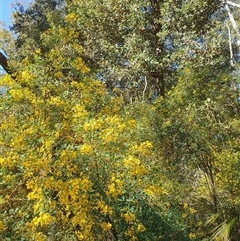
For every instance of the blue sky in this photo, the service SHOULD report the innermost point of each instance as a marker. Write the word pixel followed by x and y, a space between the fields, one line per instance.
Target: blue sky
pixel 5 11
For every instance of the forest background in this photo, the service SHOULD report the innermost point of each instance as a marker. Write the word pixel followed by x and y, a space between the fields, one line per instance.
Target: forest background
pixel 120 121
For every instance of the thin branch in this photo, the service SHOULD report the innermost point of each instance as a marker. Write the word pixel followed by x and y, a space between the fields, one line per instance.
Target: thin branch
pixel 145 87
pixel 3 62
pixel 234 24
pixel 233 4
pixel 232 61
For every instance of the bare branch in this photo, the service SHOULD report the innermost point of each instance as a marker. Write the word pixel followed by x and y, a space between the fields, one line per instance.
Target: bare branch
pixel 234 24
pixel 233 4
pixel 232 61
pixel 3 62
pixel 145 87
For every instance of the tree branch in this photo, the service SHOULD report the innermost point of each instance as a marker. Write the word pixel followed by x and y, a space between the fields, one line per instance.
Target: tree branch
pixel 233 4
pixel 145 87
pixel 234 24
pixel 232 61
pixel 4 63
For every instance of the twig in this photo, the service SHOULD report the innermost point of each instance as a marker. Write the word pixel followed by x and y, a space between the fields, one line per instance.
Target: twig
pixel 234 24
pixel 232 61
pixel 145 87
pixel 233 4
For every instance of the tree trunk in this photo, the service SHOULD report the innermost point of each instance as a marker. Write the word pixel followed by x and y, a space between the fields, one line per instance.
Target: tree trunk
pixel 4 63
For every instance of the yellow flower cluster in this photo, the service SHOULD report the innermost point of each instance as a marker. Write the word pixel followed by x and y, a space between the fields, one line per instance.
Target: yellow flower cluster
pixel 2 227
pixel 26 76
pixel 86 149
pixel 17 142
pixel 192 236
pixel 130 233
pixel 85 223
pixel 106 226
pixel 59 74
pixel 141 228
pixel 155 190
pixel 115 187
pixel 17 94
pixel 25 61
pixel 43 219
pixel 135 168
pixel 67 155
pixel 56 101
pixel 104 209
pixel 109 135
pixel 68 33
pixel 71 18
pixel 40 237
pixel 93 125
pixel 131 124
pixel 35 194
pixel 128 217
pixel 79 112
pixel 145 148
pixel 80 66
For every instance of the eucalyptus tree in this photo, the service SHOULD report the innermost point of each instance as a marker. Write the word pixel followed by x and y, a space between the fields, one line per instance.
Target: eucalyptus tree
pixel 138 45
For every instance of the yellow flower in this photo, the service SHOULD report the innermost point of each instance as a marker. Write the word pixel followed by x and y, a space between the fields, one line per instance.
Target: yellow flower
pixel 43 219
pixel 93 125
pixel 56 101
pixel 67 155
pixel 79 111
pixel 140 228
pixel 40 237
pixel 86 184
pixel 80 66
pixel 86 149
pixel 114 190
pixel 192 210
pixel 131 123
pixel 130 233
pixel 134 166
pixel 25 61
pixel 38 51
pixel 71 17
pixel 2 227
pixel 150 190
pixel 145 148
pixel 59 75
pixel 16 94
pixel 192 236
pixel 128 217
pixel 106 226
pixel 200 223
pixel 103 207
pixel 184 215
pixel 131 162
pixel 26 75
pixel 109 135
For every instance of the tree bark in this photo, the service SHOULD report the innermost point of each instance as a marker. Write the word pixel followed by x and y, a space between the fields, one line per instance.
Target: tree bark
pixel 233 4
pixel 4 63
pixel 234 24
pixel 158 74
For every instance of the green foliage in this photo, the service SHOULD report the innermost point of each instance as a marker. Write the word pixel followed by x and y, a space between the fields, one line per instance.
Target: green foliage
pixel 138 45
pixel 148 151
pixel 198 144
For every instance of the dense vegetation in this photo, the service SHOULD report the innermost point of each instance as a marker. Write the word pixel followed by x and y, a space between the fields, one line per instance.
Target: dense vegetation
pixel 120 121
